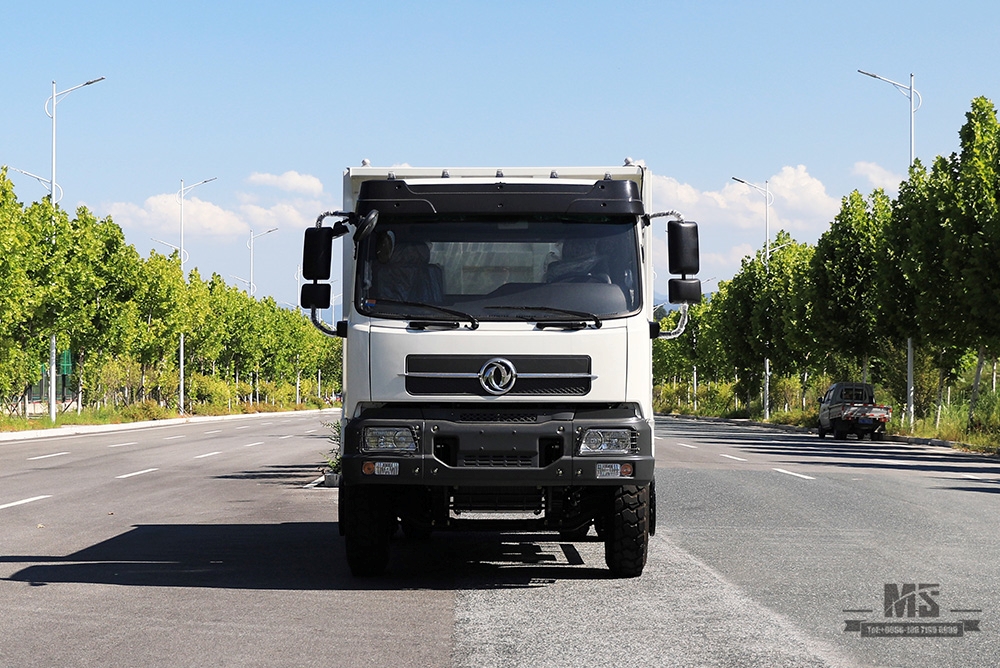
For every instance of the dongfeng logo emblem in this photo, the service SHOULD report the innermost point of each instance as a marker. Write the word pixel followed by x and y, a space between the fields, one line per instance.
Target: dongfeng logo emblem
pixel 497 376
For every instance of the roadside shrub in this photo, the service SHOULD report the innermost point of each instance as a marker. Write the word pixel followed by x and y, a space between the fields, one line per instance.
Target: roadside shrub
pixel 800 418
pixel 207 395
pixel 146 410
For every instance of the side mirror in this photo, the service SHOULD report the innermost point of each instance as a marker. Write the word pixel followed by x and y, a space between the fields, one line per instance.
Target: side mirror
pixel 684 291
pixel 682 247
pixel 317 253
pixel 315 296
pixel 365 227
pixel 684 259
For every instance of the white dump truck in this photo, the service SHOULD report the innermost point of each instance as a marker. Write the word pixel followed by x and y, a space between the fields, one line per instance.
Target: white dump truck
pixel 497 328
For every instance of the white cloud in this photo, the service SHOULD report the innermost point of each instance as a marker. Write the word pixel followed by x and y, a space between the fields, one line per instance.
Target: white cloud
pixel 296 214
pixel 878 176
pixel 160 214
pixel 731 219
pixel 290 181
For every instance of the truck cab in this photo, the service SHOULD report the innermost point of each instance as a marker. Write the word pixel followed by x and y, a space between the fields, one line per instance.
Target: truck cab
pixel 497 348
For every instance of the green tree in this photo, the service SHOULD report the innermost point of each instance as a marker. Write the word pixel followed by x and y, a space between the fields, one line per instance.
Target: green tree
pixel 975 253
pixel 844 275
pixel 159 301
pixel 17 366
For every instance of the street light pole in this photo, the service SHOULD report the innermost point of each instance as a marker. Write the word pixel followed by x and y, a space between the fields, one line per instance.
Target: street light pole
pixel 915 103
pixel 52 200
pixel 253 288
pixel 768 200
pixel 180 198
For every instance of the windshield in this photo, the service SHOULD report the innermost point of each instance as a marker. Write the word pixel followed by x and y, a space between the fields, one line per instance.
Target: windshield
pixel 539 270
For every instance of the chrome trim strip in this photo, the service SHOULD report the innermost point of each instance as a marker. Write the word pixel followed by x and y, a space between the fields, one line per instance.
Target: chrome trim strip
pixel 430 374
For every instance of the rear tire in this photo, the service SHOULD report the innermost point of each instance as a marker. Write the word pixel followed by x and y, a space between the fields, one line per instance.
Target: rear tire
pixel 367 528
pixel 627 540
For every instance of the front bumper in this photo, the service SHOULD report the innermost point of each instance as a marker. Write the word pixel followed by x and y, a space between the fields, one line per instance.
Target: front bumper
pixel 485 446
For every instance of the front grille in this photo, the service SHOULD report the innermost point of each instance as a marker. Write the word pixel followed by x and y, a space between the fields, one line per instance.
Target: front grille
pixel 498 498
pixel 566 375
pixel 503 461
pixel 481 416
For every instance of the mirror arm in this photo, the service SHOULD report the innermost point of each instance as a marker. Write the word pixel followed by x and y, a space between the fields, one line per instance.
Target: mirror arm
pixel 319 324
pixel 676 214
pixel 681 324
pixel 351 217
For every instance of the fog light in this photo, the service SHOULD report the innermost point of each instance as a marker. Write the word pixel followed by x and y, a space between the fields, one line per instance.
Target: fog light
pixel 626 470
pixel 368 468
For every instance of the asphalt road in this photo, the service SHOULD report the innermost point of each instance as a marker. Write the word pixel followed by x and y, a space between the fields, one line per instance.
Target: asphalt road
pixel 206 544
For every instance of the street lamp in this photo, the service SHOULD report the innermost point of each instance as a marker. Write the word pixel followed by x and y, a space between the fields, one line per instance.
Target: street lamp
pixel 52 198
pixel 41 179
pixel 180 199
pixel 768 201
pixel 253 288
pixel 915 102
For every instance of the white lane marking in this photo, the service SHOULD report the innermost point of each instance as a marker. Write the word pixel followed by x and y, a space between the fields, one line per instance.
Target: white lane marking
pixel 214 431
pixel 262 424
pixel 209 454
pixel 739 459
pixel 315 482
pixel 171 438
pixel 310 431
pixel 129 475
pixel 23 501
pixel 281 438
pixel 685 445
pixel 54 454
pixel 250 445
pixel 976 477
pixel 122 445
pixel 246 426
pixel 797 475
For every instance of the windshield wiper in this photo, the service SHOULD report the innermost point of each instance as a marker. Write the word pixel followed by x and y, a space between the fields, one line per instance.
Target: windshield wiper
pixel 541 324
pixel 473 322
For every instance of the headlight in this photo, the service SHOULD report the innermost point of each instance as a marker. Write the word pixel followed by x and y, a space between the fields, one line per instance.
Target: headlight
pixel 607 442
pixel 388 439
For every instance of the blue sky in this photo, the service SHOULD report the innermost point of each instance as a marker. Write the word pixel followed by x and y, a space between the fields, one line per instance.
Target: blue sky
pixel 276 99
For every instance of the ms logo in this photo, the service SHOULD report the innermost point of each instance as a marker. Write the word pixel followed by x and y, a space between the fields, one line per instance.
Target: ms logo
pixel 912 600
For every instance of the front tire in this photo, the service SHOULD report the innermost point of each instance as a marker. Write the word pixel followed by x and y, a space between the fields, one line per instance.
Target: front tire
pixel 368 526
pixel 627 540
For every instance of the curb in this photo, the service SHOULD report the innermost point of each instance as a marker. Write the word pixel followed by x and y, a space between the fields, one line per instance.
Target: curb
pixel 889 438
pixel 74 430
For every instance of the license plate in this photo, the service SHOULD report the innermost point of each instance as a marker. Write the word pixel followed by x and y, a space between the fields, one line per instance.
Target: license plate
pixel 865 421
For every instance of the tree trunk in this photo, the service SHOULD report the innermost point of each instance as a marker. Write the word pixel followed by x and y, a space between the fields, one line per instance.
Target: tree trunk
pixel 975 388
pixel 940 398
